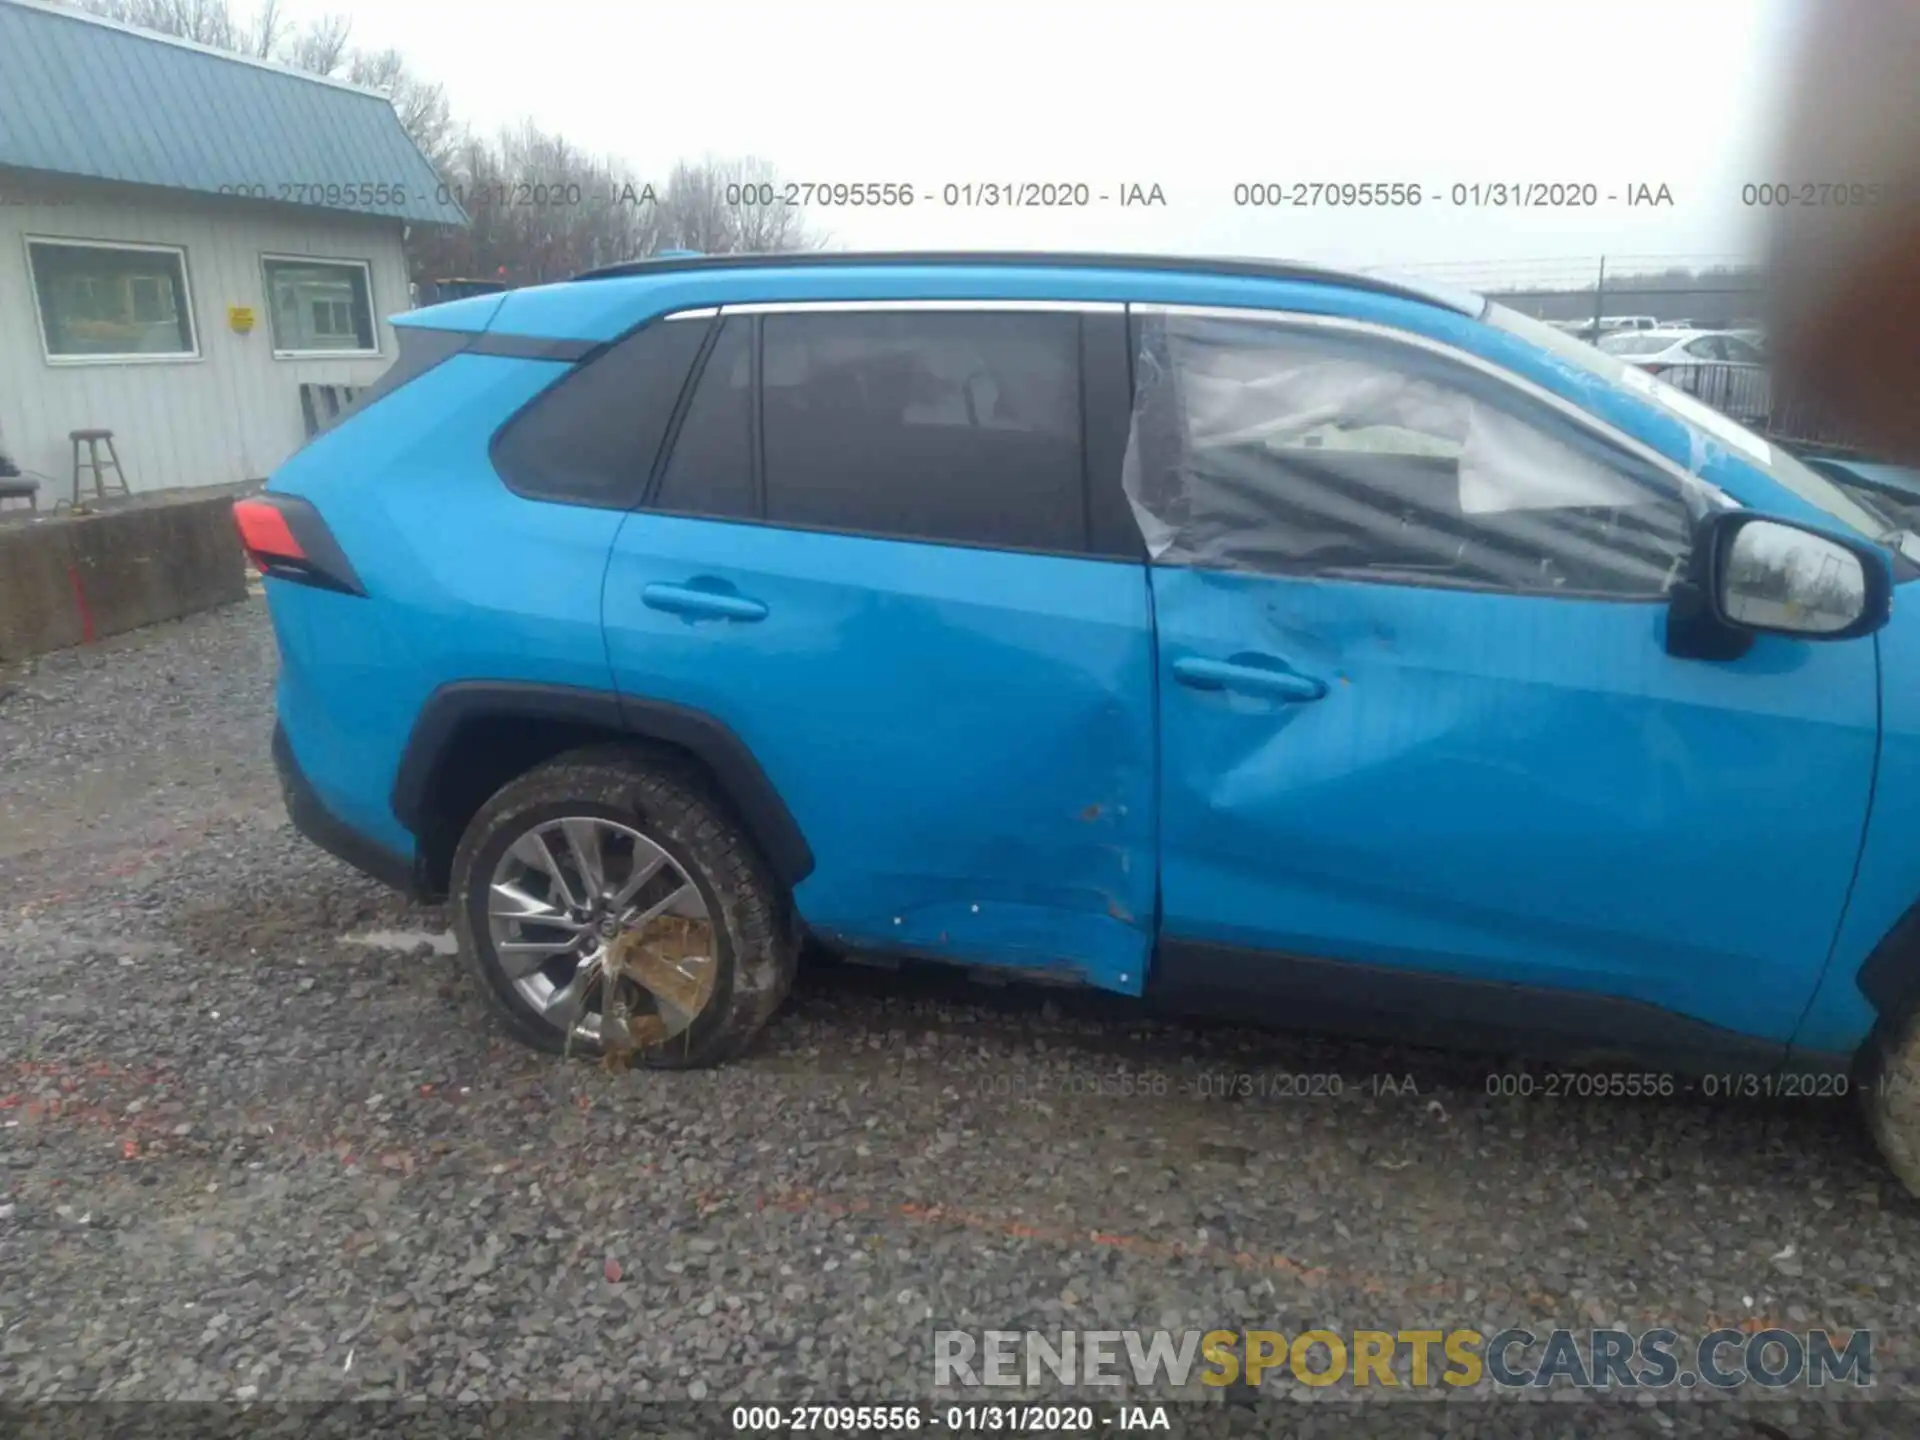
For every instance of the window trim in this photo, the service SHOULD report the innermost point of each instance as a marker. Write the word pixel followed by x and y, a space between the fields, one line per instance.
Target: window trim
pixel 1684 480
pixel 170 357
pixel 1586 419
pixel 373 310
pixel 781 307
pixel 683 403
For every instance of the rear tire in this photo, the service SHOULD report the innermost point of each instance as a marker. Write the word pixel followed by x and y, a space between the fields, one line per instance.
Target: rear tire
pixel 754 940
pixel 1890 1093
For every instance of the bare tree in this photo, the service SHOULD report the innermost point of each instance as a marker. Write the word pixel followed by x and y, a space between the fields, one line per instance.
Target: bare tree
pixel 205 22
pixel 720 206
pixel 267 29
pixel 422 107
pixel 541 208
pixel 320 49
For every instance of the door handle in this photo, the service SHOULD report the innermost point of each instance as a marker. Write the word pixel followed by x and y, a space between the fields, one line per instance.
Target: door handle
pixel 710 604
pixel 1203 674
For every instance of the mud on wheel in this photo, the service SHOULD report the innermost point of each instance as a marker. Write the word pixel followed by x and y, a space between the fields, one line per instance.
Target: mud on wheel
pixel 1889 1088
pixel 610 905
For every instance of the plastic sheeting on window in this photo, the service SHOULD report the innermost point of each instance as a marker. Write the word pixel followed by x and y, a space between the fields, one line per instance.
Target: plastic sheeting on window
pixel 1260 446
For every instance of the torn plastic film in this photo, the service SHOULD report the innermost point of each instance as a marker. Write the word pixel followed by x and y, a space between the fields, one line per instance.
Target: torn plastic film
pixel 1294 449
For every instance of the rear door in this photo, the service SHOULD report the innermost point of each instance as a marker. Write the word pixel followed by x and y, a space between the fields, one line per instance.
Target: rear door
pixel 873 552
pixel 1426 760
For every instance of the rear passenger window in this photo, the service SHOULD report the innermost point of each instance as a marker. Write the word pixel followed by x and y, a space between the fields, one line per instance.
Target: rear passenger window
pixel 954 426
pixel 592 438
pixel 710 471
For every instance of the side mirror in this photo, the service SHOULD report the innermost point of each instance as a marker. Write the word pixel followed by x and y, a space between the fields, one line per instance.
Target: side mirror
pixel 1754 574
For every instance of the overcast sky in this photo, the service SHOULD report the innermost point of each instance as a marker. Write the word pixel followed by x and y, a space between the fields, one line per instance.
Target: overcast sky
pixel 1193 97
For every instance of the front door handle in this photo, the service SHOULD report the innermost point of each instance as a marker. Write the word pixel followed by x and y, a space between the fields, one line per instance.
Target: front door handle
pixel 710 604
pixel 1274 683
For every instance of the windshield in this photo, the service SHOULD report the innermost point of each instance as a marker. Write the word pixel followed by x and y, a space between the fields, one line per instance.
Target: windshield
pixel 1877 503
pixel 1635 342
pixel 1704 421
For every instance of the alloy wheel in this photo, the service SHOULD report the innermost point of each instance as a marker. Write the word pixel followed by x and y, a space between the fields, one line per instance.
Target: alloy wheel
pixel 602 932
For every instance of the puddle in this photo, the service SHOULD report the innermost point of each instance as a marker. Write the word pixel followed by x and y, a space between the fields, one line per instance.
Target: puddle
pixel 403 941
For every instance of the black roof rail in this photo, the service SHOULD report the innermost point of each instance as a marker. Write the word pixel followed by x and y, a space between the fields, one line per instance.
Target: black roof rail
pixel 1464 301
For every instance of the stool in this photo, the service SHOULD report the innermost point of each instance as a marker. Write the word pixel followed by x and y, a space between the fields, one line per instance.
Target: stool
pixel 17 489
pixel 94 439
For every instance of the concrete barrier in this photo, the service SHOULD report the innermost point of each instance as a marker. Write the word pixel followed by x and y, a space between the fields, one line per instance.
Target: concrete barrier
pixel 67 579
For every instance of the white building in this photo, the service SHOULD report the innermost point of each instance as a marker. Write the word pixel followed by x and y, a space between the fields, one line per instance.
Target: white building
pixel 190 242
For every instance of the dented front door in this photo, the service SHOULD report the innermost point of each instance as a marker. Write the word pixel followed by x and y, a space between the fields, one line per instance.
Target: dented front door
pixel 1417 713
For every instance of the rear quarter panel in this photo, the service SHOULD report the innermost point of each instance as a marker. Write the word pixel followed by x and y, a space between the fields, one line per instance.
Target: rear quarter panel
pixel 465 580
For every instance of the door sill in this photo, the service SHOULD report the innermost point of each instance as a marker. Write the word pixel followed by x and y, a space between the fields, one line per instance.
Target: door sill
pixel 1579 1029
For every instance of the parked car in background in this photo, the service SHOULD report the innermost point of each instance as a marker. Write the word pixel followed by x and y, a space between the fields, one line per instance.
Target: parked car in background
pixel 1257 638
pixel 1655 350
pixel 1591 330
pixel 1719 368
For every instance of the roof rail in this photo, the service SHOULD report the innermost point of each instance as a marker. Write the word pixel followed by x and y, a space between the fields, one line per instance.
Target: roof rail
pixel 1465 302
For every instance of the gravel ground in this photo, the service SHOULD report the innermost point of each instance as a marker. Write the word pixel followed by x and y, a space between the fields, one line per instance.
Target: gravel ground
pixel 244 1157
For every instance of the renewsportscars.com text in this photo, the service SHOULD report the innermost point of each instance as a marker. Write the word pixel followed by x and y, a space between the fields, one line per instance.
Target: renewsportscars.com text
pixel 1512 1359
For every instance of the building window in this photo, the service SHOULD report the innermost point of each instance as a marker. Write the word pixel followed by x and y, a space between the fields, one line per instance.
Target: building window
pixel 112 302
pixel 320 307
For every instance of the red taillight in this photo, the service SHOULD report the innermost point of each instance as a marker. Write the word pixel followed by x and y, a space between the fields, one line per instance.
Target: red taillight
pixel 285 537
pixel 265 534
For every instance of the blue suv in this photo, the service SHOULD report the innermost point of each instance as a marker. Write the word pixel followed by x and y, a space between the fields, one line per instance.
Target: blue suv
pixel 1309 646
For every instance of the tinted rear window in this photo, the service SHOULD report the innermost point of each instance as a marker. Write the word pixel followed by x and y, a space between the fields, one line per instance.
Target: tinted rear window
pixel 941 425
pixel 710 471
pixel 592 438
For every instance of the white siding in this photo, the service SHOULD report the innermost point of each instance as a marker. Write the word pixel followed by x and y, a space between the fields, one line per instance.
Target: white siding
pixel 233 414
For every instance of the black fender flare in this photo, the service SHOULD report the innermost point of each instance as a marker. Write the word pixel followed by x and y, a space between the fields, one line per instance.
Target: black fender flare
pixel 735 771
pixel 1890 976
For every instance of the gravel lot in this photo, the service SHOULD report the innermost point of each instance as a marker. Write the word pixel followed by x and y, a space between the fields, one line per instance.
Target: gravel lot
pixel 245 1156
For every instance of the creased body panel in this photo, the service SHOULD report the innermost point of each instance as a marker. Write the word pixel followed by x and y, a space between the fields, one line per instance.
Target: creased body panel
pixel 1515 789
pixel 963 735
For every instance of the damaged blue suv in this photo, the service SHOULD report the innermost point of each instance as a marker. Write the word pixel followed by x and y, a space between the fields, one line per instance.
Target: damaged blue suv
pixel 1306 645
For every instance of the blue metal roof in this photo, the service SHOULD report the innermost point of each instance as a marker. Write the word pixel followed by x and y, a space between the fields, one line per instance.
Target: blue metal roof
pixel 80 96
